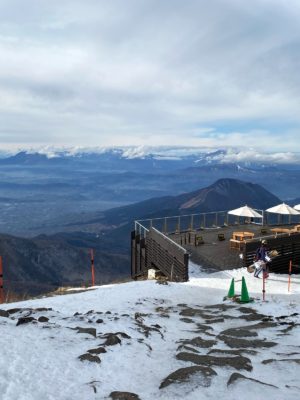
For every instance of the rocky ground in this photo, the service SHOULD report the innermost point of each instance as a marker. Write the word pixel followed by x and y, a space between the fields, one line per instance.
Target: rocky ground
pixel 148 341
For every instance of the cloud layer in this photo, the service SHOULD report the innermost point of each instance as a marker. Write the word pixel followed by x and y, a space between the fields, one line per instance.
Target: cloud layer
pixel 150 72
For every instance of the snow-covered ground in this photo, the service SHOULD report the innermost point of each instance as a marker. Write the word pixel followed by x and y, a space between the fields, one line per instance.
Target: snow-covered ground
pixel 149 331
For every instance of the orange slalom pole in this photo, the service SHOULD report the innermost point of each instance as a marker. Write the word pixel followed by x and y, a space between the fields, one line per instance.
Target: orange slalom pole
pixel 1 282
pixel 290 273
pixel 93 267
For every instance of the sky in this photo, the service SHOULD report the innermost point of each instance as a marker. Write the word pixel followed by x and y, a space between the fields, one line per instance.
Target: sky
pixel 150 72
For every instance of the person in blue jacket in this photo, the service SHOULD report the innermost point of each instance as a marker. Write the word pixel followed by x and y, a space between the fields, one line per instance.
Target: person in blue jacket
pixel 262 258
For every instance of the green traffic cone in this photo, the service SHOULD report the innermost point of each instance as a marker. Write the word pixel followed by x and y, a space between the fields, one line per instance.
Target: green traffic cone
pixel 244 295
pixel 231 289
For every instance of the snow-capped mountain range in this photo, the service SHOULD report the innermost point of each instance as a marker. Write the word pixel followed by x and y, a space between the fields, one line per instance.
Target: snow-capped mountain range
pixel 198 156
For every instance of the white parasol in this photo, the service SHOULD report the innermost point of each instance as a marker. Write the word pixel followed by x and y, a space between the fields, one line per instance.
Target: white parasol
pixel 283 209
pixel 297 207
pixel 245 212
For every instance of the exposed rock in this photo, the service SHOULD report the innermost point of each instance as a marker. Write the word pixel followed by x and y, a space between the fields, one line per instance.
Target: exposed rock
pixel 238 362
pixel 236 376
pixel 287 354
pixel 146 330
pixel 221 307
pixel 191 312
pixel 182 375
pixel 124 396
pixel 204 328
pixel 111 340
pixel 140 316
pixel 25 320
pixel 199 342
pixel 89 357
pixel 98 350
pixel 187 320
pixel 123 335
pixel 271 360
pixel 42 309
pixel 261 325
pixel 4 313
pixel 247 310
pixel 89 331
pixel 238 332
pixel 99 321
pixel 237 352
pixel 156 326
pixel 15 310
pixel 214 321
pixel 253 317
pixel 43 319
pixel 234 342
pixel 187 348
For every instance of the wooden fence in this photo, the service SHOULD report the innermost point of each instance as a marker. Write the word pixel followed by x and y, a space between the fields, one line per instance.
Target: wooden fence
pixel 158 251
pixel 288 248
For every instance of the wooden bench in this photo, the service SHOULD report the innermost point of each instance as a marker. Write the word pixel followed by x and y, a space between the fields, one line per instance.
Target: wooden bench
pixel 221 236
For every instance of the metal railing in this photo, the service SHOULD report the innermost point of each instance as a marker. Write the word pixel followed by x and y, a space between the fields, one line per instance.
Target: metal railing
pixel 190 222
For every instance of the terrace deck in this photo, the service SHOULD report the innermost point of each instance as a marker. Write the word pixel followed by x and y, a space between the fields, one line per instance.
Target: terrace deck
pixel 207 250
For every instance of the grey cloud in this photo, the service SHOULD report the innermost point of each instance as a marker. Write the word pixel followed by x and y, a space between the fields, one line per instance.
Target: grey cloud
pixel 148 67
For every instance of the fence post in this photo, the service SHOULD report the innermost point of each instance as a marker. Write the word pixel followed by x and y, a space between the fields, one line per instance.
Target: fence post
pixel 192 223
pixel 1 282
pixel 178 225
pixel 290 273
pixel 92 267
pixel 172 269
pixel 264 286
pixel 165 228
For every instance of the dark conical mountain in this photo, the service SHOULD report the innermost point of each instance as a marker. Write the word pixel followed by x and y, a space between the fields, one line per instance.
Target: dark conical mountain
pixel 224 194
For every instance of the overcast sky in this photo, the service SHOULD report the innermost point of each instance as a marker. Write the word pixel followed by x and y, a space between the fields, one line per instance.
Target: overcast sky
pixel 153 72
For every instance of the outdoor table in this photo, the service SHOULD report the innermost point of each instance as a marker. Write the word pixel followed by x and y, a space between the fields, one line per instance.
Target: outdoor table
pixel 238 239
pixel 242 235
pixel 282 230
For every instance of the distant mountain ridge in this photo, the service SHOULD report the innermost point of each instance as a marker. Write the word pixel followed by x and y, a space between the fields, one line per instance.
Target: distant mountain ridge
pixel 193 155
